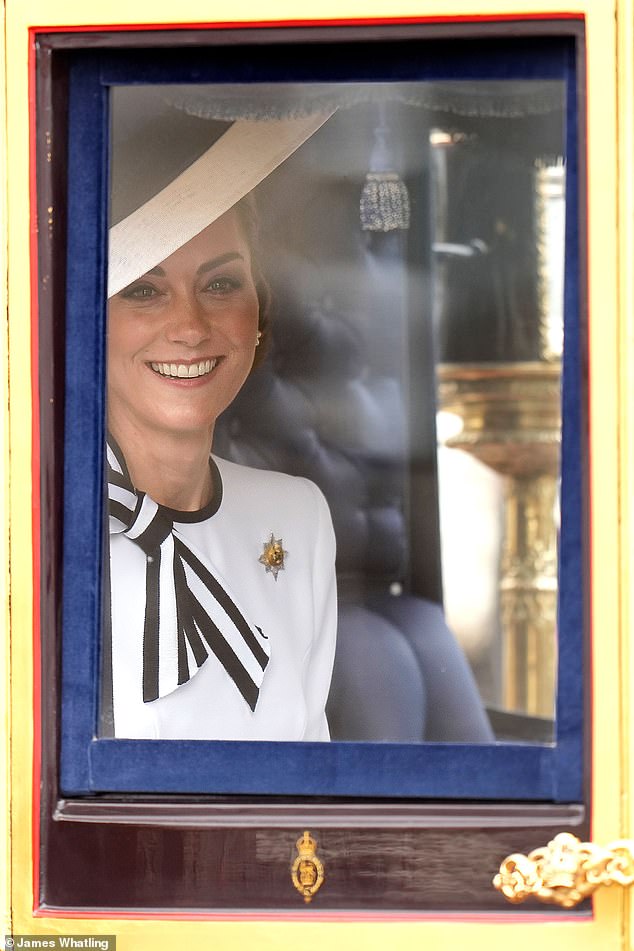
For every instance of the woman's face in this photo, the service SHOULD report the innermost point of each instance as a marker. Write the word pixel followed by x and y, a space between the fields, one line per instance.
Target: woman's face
pixel 181 339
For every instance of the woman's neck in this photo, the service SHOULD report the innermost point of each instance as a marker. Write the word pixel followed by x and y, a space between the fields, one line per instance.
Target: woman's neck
pixel 172 469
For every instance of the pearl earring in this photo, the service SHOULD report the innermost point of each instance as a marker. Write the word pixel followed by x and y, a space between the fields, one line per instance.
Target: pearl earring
pixel 258 338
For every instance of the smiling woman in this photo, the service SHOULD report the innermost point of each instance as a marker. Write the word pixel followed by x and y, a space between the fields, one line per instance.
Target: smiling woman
pixel 209 634
pixel 181 343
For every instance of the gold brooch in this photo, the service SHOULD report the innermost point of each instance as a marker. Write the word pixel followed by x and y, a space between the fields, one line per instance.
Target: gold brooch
pixel 273 555
pixel 307 871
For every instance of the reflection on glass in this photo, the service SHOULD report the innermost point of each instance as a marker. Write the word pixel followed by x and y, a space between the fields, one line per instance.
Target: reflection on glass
pixel 411 246
pixel 503 410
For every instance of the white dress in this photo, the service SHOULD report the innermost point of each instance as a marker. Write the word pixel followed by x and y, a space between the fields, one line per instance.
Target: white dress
pixel 296 612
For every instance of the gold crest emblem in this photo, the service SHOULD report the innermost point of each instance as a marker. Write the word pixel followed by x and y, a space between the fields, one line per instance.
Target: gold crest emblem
pixel 307 871
pixel 273 555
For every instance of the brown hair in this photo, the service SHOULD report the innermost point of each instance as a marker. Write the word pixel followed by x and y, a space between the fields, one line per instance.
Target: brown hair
pixel 247 212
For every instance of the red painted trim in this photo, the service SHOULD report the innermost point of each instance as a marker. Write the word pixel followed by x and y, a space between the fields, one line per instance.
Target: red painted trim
pixel 328 916
pixel 35 475
pixel 269 24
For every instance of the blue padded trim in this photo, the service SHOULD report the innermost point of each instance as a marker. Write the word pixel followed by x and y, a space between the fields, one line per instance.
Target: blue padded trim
pixel 436 770
pixel 513 58
pixel 84 415
pixel 573 561
pixel 346 769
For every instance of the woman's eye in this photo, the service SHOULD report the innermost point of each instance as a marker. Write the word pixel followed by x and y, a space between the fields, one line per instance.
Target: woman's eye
pixel 139 292
pixel 223 285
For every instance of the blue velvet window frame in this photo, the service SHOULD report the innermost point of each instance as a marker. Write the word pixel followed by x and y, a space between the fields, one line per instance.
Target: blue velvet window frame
pixel 95 765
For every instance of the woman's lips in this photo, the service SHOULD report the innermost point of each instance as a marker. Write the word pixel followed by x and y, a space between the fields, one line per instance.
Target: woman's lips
pixel 185 371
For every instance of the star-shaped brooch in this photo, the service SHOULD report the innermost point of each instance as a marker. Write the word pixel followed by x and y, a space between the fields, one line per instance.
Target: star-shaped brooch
pixel 273 555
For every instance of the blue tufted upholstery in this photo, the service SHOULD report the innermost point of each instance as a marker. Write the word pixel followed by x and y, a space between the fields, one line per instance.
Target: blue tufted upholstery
pixel 331 402
pixel 399 673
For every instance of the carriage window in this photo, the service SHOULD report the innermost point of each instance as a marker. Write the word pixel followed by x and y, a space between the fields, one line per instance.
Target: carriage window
pixel 336 518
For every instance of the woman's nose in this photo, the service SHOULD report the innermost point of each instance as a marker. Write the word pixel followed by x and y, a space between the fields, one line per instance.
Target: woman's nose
pixel 188 323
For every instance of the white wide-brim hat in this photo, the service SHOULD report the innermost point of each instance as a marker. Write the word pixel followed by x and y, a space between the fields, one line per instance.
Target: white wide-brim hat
pixel 173 174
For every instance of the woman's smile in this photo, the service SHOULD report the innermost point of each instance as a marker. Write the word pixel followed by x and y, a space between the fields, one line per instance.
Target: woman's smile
pixel 185 371
pixel 181 338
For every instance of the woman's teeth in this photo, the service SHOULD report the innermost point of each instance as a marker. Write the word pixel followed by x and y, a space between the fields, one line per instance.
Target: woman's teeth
pixel 185 371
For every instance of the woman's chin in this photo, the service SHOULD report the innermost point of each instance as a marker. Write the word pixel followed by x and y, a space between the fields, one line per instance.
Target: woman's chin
pixel 187 426
pixel 151 429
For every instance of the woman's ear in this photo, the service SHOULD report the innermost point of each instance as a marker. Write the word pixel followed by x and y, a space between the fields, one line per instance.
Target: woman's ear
pixel 264 300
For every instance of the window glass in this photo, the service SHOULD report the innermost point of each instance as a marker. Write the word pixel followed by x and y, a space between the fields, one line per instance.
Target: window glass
pixel 390 257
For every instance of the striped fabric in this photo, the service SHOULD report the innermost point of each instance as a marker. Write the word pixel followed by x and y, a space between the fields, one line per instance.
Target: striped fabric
pixel 189 614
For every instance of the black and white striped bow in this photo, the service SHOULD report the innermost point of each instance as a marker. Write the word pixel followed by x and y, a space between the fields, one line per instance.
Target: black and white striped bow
pixel 188 613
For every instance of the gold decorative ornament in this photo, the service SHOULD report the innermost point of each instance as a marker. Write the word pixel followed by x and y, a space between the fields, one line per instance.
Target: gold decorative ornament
pixel 511 420
pixel 566 871
pixel 511 416
pixel 307 871
pixel 273 555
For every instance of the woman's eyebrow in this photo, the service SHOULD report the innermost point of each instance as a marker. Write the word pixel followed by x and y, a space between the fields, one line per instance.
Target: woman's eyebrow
pixel 204 267
pixel 217 262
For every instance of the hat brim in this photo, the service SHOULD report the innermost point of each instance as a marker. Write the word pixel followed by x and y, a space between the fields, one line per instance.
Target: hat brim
pixel 243 157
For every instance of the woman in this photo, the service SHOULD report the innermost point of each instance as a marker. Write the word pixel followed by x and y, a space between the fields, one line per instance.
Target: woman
pixel 223 602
